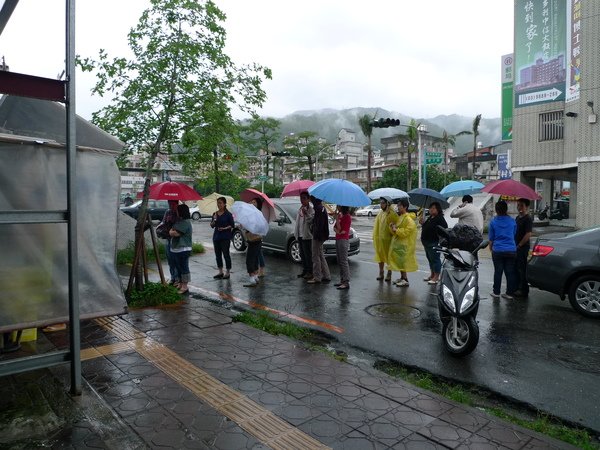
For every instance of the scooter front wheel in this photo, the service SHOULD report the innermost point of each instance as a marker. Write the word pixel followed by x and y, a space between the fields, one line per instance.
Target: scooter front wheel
pixel 460 335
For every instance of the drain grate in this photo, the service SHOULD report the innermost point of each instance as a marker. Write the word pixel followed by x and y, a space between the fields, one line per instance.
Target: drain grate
pixel 393 311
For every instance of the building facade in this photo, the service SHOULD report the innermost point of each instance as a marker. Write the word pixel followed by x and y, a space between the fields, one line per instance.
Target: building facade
pixel 556 140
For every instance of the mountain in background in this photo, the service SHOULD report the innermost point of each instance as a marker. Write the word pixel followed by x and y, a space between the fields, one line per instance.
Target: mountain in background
pixel 328 122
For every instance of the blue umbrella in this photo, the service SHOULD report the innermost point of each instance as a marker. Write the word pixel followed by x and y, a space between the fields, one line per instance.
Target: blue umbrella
pixel 393 193
pixel 340 192
pixel 423 197
pixel 463 187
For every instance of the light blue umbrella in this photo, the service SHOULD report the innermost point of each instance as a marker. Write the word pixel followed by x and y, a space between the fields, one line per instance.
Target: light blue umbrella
pixel 340 192
pixel 463 187
pixel 393 193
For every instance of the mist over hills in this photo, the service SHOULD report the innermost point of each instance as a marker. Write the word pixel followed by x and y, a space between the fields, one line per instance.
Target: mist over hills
pixel 328 122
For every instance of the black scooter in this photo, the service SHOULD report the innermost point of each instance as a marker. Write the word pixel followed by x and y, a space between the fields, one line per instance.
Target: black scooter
pixel 458 298
pixel 546 213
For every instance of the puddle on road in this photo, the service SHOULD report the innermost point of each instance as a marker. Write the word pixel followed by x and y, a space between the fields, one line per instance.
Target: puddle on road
pixel 578 357
pixel 393 311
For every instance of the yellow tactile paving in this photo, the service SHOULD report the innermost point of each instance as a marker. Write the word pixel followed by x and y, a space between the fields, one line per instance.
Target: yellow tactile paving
pixel 250 416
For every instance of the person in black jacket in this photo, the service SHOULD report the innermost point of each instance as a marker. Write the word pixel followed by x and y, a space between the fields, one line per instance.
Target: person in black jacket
pixel 430 239
pixel 320 232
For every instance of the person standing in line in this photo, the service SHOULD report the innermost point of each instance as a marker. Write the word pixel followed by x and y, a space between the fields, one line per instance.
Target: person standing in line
pixel 382 236
pixel 169 219
pixel 303 235
pixel 320 234
pixel 181 246
pixel 522 239
pixel 222 222
pixel 258 202
pixel 468 214
pixel 430 240
pixel 501 234
pixel 403 256
pixel 342 243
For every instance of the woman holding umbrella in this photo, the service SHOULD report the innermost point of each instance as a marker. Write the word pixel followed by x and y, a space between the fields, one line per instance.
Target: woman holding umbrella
pixel 181 246
pixel 382 236
pixel 430 239
pixel 402 256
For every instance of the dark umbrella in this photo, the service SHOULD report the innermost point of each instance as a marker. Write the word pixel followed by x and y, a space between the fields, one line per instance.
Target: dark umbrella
pixel 423 197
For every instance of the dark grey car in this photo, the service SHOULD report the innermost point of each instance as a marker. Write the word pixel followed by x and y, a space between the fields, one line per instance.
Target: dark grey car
pixel 569 265
pixel 280 237
pixel 156 209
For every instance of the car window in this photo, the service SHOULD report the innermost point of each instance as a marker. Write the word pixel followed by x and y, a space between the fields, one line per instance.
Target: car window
pixel 291 209
pixel 162 204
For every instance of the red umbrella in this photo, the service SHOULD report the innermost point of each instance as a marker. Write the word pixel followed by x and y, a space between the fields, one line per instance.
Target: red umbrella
pixel 511 188
pixel 296 188
pixel 171 190
pixel 268 207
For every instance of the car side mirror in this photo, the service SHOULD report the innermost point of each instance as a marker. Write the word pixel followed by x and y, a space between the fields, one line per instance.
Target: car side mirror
pixel 282 219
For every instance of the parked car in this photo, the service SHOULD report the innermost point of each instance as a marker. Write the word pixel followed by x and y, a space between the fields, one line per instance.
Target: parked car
pixel 568 264
pixel 369 211
pixel 156 209
pixel 280 237
pixel 195 213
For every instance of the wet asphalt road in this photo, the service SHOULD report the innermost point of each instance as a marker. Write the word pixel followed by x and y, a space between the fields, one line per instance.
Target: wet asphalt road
pixel 538 351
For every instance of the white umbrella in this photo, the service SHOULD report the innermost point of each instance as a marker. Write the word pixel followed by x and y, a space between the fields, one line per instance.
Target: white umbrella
pixel 393 193
pixel 250 218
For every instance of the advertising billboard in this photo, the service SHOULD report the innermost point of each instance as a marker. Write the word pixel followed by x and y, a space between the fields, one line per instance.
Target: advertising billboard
pixel 573 49
pixel 507 96
pixel 540 51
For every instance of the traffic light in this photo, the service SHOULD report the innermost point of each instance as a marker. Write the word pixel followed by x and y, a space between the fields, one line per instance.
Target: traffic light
pixel 385 123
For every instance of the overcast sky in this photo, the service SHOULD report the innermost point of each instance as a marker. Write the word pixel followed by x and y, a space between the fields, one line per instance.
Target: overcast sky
pixel 421 58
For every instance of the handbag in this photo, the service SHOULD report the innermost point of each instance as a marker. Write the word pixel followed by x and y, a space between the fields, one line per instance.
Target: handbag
pixel 162 230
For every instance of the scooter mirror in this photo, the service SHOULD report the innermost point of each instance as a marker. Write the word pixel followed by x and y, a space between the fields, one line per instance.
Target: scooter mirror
pixel 483 245
pixel 444 232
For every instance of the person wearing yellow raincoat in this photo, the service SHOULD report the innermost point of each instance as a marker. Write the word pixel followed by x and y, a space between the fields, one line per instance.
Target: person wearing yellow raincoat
pixel 402 254
pixel 382 235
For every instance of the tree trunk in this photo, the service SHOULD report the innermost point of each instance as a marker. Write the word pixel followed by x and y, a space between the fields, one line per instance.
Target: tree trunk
pixel 409 172
pixel 216 165
pixel 311 173
pixel 369 158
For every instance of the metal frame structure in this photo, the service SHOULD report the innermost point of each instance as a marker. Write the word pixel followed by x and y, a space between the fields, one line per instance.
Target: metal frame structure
pixel 64 92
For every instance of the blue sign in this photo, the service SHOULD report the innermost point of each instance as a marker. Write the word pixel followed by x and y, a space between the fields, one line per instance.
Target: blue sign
pixel 504 172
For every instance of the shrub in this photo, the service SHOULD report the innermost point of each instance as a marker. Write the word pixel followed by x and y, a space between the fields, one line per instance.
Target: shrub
pixel 154 294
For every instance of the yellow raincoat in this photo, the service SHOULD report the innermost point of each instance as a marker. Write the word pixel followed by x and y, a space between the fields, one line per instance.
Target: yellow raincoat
pixel 382 235
pixel 402 256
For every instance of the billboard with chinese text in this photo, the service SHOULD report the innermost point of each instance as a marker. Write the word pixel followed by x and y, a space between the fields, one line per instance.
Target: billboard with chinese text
pixel 507 96
pixel 540 51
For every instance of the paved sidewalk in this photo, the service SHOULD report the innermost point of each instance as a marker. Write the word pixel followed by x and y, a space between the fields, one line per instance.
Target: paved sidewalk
pixel 188 377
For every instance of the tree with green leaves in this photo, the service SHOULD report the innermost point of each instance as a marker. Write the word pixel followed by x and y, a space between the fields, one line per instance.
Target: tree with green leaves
pixel 366 126
pixel 449 140
pixel 178 62
pixel 438 179
pixel 475 132
pixel 304 145
pixel 261 134
pixel 397 177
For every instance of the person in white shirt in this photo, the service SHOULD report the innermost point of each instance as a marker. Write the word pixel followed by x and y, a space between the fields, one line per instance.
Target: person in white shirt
pixel 468 214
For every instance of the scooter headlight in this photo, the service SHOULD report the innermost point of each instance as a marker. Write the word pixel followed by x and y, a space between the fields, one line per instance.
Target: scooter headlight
pixel 448 298
pixel 468 300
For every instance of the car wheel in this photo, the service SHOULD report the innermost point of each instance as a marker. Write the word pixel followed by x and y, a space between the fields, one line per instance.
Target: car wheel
pixel 196 216
pixel 239 243
pixel 293 251
pixel 370 214
pixel 584 295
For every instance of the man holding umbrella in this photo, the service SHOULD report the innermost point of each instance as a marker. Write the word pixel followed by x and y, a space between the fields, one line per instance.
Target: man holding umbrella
pixel 320 233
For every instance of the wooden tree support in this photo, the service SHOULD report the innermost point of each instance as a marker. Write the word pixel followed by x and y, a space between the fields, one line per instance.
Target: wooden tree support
pixel 139 268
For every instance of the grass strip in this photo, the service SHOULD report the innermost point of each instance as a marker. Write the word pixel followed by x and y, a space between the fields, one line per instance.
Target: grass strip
pixel 125 256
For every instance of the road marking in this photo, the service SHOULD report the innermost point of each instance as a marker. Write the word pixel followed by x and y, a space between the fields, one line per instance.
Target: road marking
pixel 249 415
pixel 233 299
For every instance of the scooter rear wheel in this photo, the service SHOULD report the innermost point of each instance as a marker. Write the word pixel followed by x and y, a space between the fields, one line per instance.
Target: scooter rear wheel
pixel 466 339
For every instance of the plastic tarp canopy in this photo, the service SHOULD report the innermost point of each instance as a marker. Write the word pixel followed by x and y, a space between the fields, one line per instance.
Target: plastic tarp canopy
pixel 33 257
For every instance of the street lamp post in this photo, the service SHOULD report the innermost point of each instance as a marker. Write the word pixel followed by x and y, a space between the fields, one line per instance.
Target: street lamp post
pixel 420 130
